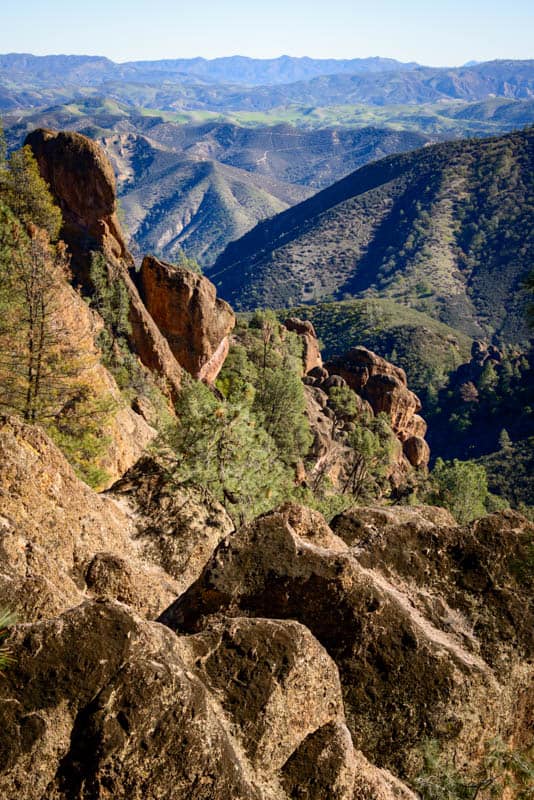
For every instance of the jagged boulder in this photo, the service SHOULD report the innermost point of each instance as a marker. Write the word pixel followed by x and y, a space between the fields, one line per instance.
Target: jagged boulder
pixel 360 364
pixel 417 451
pixel 273 679
pixel 123 716
pixel 311 355
pixel 382 384
pixel 187 311
pixel 414 661
pixel 101 703
pixel 384 387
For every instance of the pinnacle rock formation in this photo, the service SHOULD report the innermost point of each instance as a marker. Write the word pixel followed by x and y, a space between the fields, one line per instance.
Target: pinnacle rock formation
pixel 187 311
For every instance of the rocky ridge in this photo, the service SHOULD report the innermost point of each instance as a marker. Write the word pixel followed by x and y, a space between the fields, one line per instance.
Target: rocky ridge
pixel 162 654
pixel 299 660
pixel 379 387
pixel 81 180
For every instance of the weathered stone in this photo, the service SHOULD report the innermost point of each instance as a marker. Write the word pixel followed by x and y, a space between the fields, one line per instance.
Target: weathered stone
pixel 142 545
pixel 311 355
pixel 323 766
pixel 99 703
pixel 384 387
pixel 360 364
pixel 81 180
pixel 334 381
pixel 176 528
pixel 187 311
pixel 408 670
pixel 416 451
pixel 273 679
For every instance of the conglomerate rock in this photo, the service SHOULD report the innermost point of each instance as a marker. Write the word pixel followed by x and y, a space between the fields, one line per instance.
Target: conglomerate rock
pixel 100 703
pixel 311 355
pixel 445 659
pixel 81 181
pixel 383 385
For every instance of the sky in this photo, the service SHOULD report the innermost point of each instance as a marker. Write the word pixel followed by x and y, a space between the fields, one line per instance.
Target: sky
pixel 449 32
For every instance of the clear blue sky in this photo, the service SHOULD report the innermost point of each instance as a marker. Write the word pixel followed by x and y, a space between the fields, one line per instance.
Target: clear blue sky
pixel 449 32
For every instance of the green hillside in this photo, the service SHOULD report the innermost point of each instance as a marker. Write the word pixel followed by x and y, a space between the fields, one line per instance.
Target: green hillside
pixel 446 230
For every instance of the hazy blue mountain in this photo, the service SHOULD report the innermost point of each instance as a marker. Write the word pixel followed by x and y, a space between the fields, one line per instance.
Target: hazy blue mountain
pixel 91 70
pixel 250 85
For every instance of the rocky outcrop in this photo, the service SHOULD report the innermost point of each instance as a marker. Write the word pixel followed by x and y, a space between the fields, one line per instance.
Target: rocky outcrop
pixel 384 387
pixel 188 313
pixel 382 384
pixel 311 355
pixel 60 541
pixel 81 179
pixel 304 660
pixel 247 710
pixel 123 717
pixel 176 528
pixel 375 392
pixel 426 643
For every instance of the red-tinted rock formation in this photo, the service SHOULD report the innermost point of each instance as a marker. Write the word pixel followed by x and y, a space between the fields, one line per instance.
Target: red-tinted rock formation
pixel 311 355
pixel 385 388
pixel 416 451
pixel 360 364
pixel 82 181
pixel 191 317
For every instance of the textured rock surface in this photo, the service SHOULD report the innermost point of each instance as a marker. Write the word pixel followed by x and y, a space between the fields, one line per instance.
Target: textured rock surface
pixel 176 528
pixel 81 180
pixel 382 384
pixel 437 653
pixel 384 387
pixel 273 679
pixel 53 528
pixel 188 313
pixel 60 541
pixel 123 717
pixel 311 355
pixel 247 710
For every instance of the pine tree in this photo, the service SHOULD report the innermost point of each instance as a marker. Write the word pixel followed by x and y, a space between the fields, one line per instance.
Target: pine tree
pixel 219 446
pixel 37 361
pixel 505 443
pixel 26 193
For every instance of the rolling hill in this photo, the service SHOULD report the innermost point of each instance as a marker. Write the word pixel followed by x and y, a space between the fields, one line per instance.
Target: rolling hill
pixel 201 186
pixel 446 230
pixel 173 202
pixel 30 81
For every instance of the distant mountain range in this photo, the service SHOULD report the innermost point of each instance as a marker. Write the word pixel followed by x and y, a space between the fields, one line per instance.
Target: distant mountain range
pixel 60 70
pixel 446 230
pixel 240 84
